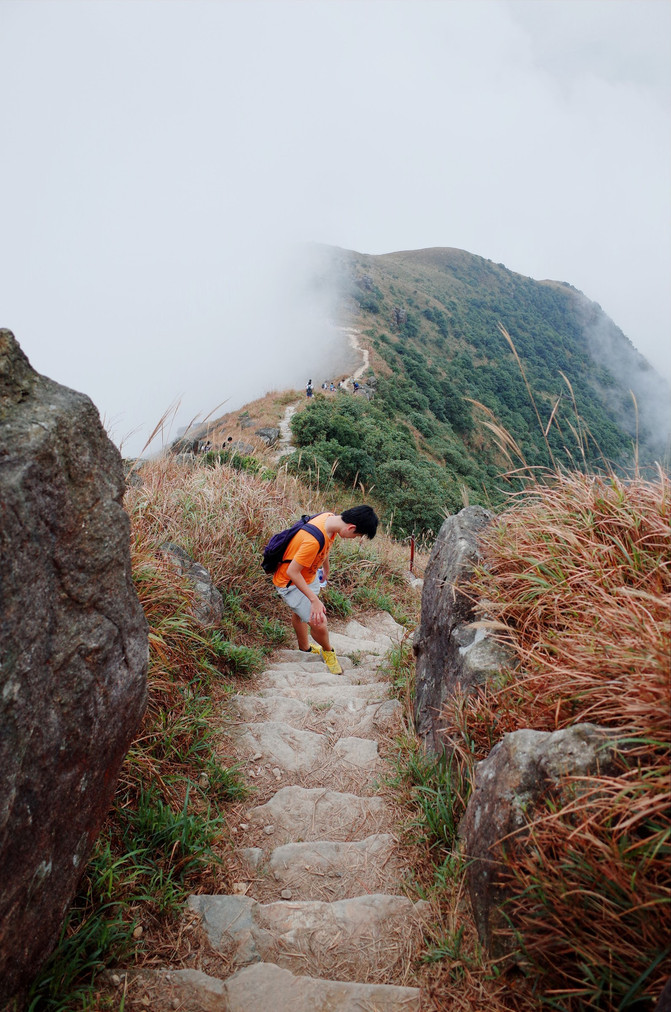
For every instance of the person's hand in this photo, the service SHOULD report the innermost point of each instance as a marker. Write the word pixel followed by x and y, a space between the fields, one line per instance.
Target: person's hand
pixel 317 613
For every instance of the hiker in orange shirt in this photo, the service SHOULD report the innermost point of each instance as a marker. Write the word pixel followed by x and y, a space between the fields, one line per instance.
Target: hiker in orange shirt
pixel 297 582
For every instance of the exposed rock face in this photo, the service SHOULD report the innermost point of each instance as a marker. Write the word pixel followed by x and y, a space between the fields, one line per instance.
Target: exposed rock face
pixel 208 605
pixel 449 654
pixel 508 785
pixel 269 435
pixel 73 652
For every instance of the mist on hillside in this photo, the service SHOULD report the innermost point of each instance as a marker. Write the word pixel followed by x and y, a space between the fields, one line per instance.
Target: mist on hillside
pixel 274 326
pixel 652 394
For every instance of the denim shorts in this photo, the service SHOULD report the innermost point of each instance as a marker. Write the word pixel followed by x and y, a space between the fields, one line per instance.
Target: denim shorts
pixel 297 601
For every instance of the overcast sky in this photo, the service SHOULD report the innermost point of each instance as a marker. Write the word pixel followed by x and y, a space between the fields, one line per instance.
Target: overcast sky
pixel 162 159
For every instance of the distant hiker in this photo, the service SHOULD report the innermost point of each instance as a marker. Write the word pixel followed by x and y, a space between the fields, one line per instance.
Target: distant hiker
pixel 356 386
pixel 297 582
pixel 308 389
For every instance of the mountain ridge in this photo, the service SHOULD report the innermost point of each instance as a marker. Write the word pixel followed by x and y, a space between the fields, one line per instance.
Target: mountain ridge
pixel 446 383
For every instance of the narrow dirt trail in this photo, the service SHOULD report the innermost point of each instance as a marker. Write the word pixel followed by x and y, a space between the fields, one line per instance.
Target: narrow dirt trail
pixel 284 444
pixel 318 919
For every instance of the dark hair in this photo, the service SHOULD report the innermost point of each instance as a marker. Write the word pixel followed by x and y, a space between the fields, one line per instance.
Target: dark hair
pixel 363 518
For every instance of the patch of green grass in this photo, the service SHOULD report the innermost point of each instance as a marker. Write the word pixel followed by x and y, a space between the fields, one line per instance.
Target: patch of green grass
pixel 374 597
pixel 399 668
pixel 337 603
pixel 273 632
pixel 240 660
pixel 440 791
pixel 164 848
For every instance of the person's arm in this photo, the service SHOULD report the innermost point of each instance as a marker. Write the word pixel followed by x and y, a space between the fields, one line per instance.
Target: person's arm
pixel 317 609
pixel 326 566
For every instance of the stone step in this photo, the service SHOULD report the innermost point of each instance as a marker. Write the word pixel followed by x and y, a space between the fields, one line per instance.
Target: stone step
pixel 340 691
pixel 323 870
pixel 304 814
pixel 356 715
pixel 382 628
pixel 289 749
pixel 307 684
pixel 368 938
pixel 353 671
pixel 345 645
pixel 286 654
pixel 264 986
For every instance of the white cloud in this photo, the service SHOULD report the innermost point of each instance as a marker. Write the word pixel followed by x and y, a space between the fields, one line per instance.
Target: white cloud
pixel 161 160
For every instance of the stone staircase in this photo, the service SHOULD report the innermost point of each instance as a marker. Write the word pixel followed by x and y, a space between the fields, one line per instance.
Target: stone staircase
pixel 318 920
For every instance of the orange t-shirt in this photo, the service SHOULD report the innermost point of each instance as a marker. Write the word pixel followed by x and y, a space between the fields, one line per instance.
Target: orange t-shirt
pixel 304 549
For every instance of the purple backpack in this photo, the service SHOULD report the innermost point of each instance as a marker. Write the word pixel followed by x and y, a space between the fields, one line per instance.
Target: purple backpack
pixel 273 553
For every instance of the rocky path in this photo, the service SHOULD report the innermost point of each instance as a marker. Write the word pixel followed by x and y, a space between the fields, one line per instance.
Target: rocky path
pixel 284 444
pixel 318 919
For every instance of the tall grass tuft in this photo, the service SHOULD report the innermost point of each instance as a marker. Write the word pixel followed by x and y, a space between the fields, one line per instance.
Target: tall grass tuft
pixel 577 579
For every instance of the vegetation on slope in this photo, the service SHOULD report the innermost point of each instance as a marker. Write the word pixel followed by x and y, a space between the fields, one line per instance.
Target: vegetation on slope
pixel 577 574
pixel 437 324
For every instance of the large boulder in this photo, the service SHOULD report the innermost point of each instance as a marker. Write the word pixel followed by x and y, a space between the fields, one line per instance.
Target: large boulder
pixel 451 655
pixel 269 435
pixel 509 783
pixel 73 652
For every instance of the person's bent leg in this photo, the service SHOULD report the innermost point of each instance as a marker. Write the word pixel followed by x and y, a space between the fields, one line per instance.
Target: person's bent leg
pixel 301 630
pixel 320 634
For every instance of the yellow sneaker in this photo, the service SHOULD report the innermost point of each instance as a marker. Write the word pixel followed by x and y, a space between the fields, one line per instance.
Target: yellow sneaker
pixel 314 649
pixel 331 661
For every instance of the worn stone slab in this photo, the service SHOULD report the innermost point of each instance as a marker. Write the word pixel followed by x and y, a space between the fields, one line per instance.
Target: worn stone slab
pixel 368 936
pixel 352 671
pixel 282 708
pixel 322 870
pixel 287 654
pixel 344 645
pixel 355 715
pixel 300 813
pixel 336 690
pixel 359 752
pixel 384 625
pixel 288 747
pixel 264 986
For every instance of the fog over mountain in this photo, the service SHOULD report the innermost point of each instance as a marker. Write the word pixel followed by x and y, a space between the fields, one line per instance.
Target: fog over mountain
pixel 164 163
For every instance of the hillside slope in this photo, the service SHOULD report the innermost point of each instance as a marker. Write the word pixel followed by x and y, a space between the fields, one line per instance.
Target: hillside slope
pixel 475 371
pixel 449 301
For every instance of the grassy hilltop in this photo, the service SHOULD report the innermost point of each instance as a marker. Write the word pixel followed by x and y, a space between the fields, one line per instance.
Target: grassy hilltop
pixel 459 346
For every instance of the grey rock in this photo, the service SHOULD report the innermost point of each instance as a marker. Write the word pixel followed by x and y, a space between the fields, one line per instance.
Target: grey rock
pixel 320 685
pixel 268 435
pixel 359 752
pixel 509 784
pixel 264 986
pixel 287 747
pixel 327 869
pixel 450 655
pixel 367 936
pixel 300 813
pixel 257 708
pixel 208 604
pixel 73 651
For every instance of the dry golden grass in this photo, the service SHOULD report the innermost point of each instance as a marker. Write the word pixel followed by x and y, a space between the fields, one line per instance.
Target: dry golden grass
pixel 577 579
pixel 580 579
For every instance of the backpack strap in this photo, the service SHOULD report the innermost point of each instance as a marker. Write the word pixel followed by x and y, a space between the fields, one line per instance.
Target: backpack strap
pixel 315 532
